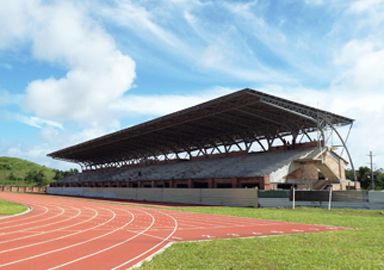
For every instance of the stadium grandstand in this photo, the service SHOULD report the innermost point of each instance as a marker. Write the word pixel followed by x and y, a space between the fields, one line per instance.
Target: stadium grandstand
pixel 242 140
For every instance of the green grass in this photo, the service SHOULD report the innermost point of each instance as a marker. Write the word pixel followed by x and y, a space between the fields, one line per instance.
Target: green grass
pixel 10 208
pixel 359 248
pixel 19 168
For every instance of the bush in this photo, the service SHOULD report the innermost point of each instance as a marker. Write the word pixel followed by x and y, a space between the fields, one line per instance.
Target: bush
pixel 5 166
pixel 12 177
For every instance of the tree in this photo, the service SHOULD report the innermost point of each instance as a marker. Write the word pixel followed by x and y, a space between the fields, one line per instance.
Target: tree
pixel 58 175
pixel 36 177
pixel 12 177
pixel 364 176
pixel 62 174
pixel 379 179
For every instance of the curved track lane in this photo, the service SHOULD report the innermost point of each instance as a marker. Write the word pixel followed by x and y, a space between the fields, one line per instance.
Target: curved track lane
pixel 72 233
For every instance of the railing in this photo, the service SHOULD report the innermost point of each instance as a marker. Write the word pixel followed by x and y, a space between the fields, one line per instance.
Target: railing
pixel 339 199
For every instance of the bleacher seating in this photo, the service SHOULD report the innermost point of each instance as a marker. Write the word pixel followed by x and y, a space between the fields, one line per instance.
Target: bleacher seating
pixel 248 165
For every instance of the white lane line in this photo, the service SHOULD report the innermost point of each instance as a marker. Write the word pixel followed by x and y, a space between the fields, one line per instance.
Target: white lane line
pixel 222 220
pixel 62 211
pixel 154 247
pixel 222 227
pixel 233 234
pixel 59 229
pixel 110 247
pixel 59 238
pixel 28 217
pixel 333 228
pixel 277 232
pixel 30 229
pixel 296 230
pixel 207 236
pixel 29 209
pixel 257 233
pixel 65 247
pixel 212 222
pixel 186 221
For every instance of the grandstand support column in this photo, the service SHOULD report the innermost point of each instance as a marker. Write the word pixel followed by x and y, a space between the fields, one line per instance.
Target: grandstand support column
pixel 307 135
pixel 190 183
pixel 270 142
pixel 266 184
pixel 211 183
pixel 234 182
pixel 346 150
pixel 152 183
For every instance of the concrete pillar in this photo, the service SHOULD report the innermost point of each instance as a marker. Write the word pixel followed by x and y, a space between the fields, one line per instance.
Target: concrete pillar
pixel 234 182
pixel 190 183
pixel 211 183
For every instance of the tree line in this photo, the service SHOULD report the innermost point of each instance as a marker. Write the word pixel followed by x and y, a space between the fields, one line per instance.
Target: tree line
pixel 39 177
pixel 364 176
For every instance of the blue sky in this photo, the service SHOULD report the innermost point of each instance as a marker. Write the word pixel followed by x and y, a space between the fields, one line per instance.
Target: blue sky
pixel 73 70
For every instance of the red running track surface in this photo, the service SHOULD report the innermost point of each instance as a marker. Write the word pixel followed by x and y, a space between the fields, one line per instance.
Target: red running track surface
pixel 72 233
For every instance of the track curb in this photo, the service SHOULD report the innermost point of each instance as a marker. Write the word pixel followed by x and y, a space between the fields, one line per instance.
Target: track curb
pixel 16 215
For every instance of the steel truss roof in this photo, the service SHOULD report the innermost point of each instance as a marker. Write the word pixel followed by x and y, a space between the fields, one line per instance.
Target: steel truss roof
pixel 243 116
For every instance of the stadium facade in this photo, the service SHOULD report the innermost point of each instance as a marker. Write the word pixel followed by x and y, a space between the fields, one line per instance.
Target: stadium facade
pixel 242 140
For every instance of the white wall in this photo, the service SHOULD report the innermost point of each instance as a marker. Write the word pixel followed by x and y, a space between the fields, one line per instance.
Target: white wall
pixel 376 199
pixel 229 197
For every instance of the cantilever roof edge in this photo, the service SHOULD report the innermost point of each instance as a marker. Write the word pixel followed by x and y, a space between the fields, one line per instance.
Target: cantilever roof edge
pixel 245 94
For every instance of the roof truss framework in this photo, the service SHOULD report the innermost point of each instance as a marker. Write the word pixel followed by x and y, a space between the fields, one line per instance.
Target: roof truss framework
pixel 243 117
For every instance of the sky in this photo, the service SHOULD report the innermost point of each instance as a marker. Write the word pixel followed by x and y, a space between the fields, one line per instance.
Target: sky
pixel 74 70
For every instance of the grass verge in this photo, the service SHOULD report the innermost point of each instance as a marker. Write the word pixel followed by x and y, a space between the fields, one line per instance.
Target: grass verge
pixel 360 248
pixel 10 208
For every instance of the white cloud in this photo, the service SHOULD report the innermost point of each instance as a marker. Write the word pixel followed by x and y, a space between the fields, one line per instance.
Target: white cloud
pixel 4 98
pixel 178 30
pixel 37 122
pixel 98 72
pixel 64 34
pixel 164 104
pixel 94 89
pixel 7 98
pixel 363 63
pixel 14 21
pixel 366 6
pixel 314 2
pixel 137 18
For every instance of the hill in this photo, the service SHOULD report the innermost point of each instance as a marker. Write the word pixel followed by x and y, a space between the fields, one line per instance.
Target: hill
pixel 14 171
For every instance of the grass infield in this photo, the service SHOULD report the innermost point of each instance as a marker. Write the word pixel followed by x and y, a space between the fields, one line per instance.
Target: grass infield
pixel 359 248
pixel 10 208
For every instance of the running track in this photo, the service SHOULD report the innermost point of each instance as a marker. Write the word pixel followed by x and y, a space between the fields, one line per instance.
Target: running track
pixel 73 233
